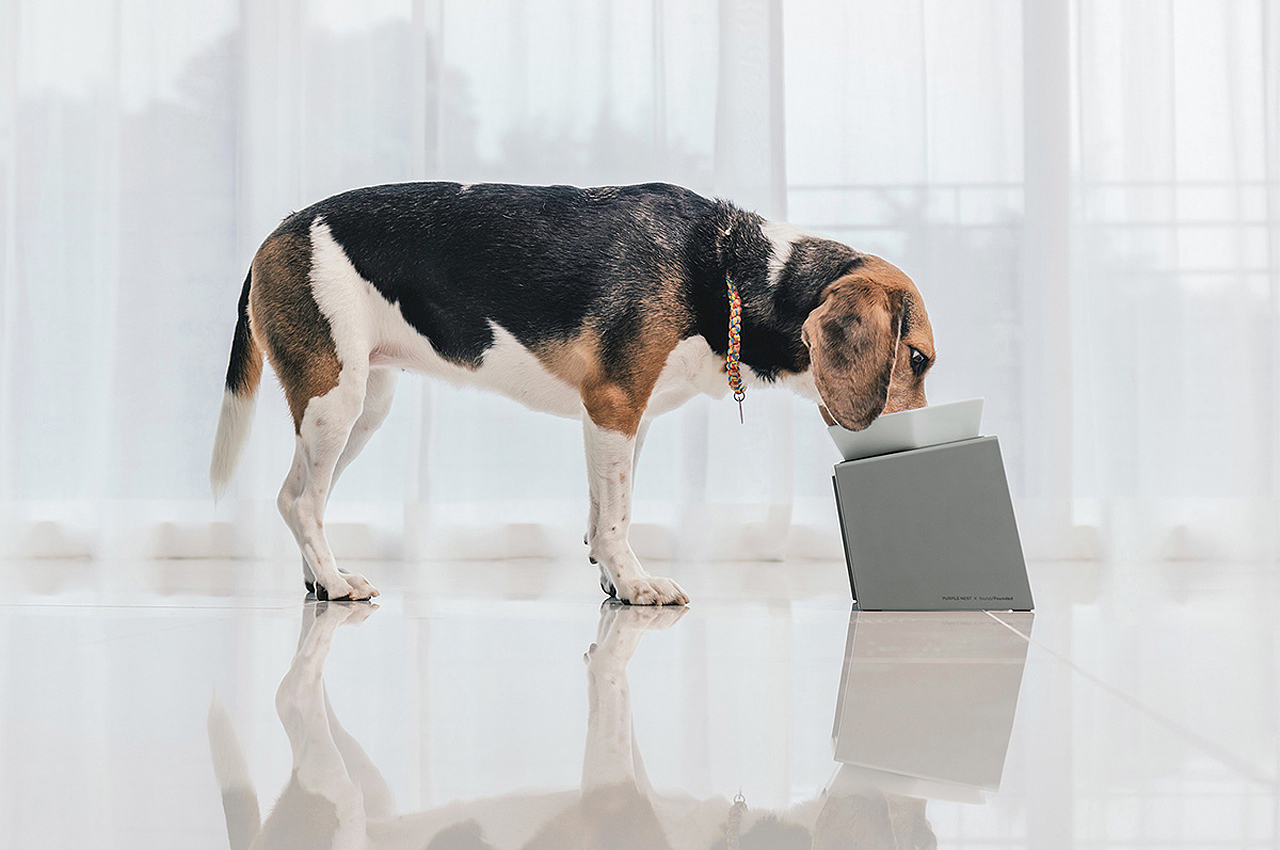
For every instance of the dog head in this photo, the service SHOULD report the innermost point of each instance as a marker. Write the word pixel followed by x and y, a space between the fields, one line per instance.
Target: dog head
pixel 870 345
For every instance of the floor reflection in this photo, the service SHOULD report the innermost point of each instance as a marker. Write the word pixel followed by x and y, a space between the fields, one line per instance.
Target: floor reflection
pixel 1146 714
pixel 924 711
pixel 927 701
pixel 335 795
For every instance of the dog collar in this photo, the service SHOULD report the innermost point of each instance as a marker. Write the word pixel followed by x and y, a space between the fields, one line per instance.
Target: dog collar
pixel 733 358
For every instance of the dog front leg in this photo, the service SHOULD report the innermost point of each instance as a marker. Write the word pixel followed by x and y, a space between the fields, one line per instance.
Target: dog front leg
pixel 593 519
pixel 610 460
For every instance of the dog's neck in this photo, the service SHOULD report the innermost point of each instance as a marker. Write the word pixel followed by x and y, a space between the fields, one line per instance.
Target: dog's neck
pixel 780 281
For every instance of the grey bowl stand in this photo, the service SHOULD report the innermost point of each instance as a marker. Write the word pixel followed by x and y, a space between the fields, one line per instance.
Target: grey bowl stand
pixel 932 529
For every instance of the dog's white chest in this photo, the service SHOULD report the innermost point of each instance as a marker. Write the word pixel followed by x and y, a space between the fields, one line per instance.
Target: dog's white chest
pixel 692 368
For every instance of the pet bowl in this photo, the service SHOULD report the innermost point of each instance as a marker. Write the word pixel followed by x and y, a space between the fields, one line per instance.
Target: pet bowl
pixel 911 429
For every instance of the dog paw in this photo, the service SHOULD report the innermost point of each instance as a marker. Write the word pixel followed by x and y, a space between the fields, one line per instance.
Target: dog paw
pixel 652 590
pixel 344 588
pixel 360 586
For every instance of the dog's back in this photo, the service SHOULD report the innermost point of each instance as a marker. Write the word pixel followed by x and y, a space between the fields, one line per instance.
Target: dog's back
pixel 540 261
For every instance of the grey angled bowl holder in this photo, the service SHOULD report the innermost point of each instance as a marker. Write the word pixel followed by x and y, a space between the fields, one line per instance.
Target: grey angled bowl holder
pixel 932 529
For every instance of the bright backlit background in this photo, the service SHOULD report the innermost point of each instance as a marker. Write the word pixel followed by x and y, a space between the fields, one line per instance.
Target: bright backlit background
pixel 1087 193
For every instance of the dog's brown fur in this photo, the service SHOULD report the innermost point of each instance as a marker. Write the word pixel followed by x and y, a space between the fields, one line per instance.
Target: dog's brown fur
pixel 615 396
pixel 616 399
pixel 860 339
pixel 288 324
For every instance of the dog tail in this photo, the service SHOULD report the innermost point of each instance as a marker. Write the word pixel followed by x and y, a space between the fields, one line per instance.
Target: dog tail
pixel 239 800
pixel 244 373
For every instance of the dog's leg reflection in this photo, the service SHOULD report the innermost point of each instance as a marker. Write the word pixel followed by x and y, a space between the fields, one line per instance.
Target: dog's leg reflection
pixel 333 787
pixel 333 781
pixel 614 805
pixel 373 787
pixel 611 755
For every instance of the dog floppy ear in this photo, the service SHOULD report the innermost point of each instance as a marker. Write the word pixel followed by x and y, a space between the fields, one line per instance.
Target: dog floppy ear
pixel 853 341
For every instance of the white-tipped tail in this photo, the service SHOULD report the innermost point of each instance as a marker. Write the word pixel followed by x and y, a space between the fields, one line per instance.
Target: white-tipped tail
pixel 239 800
pixel 228 445
pixel 244 373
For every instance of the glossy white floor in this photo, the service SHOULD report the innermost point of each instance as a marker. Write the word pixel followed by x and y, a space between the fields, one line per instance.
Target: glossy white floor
pixel 1138 708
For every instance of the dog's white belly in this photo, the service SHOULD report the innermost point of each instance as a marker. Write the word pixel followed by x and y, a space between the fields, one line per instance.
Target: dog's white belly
pixel 507 367
pixel 512 370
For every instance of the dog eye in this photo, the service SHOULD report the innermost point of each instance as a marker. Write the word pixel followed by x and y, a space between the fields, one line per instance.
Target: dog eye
pixel 918 362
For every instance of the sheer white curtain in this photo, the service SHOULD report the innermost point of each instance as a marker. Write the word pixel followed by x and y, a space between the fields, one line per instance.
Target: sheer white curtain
pixel 1176 272
pixel 1086 191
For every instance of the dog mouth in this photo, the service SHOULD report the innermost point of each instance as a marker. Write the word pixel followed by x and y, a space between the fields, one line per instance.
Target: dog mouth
pixel 853 423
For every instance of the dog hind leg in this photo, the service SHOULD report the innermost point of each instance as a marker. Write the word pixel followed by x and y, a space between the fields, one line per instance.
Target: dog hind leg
pixel 325 429
pixel 287 503
pixel 290 502
pixel 325 394
pixel 380 388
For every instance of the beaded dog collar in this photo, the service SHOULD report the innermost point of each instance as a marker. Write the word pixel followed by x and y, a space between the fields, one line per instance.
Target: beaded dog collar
pixel 733 359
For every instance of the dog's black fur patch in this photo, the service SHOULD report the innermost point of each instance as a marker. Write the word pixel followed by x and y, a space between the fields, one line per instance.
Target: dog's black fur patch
pixel 541 261
pixel 238 373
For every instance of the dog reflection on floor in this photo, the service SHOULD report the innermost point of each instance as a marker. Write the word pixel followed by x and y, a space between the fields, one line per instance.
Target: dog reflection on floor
pixel 337 798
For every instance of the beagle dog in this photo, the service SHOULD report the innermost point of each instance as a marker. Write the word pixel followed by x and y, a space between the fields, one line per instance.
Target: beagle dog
pixel 610 304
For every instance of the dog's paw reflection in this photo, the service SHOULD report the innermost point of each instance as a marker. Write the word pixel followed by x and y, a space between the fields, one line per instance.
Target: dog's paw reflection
pixel 621 626
pixel 343 612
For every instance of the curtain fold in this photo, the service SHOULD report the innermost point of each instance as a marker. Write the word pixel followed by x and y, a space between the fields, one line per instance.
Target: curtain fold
pixel 1086 191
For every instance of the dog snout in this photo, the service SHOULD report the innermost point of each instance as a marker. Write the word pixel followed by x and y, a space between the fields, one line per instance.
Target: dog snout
pixel 905 401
